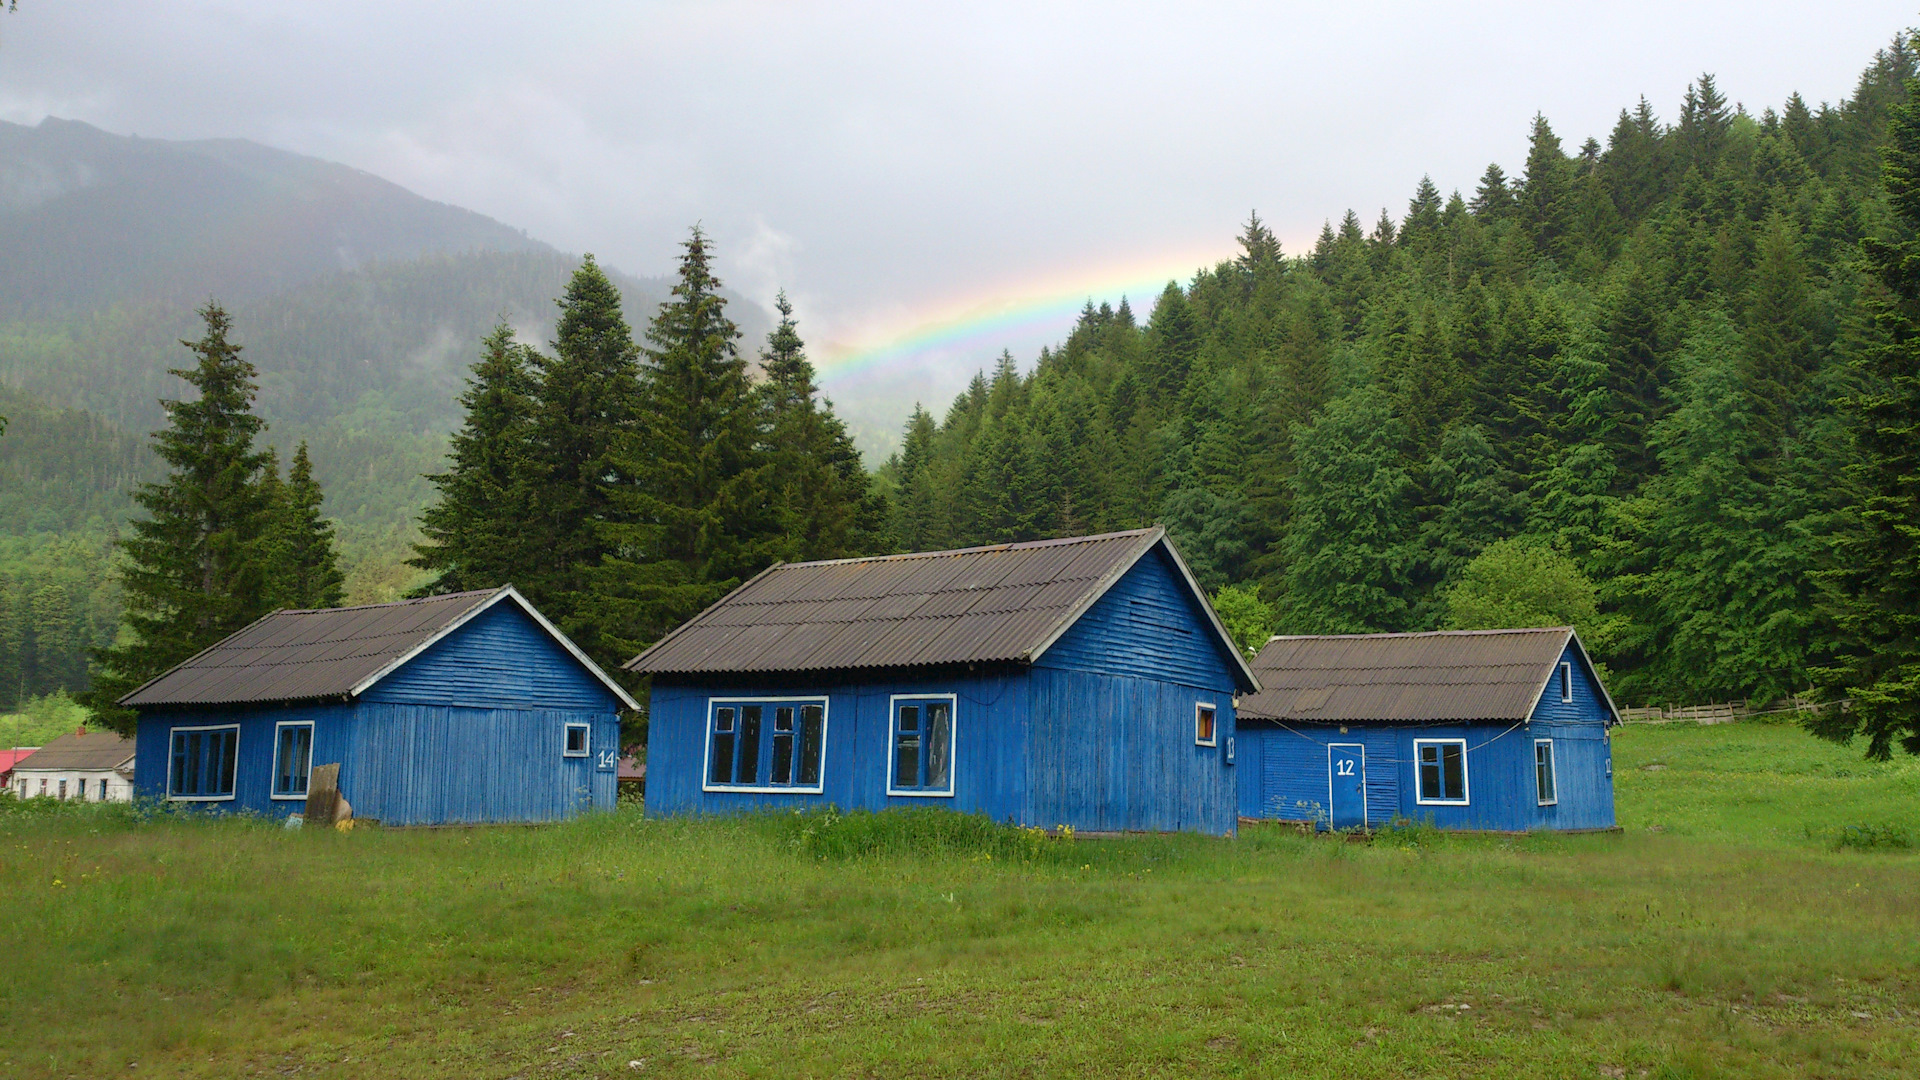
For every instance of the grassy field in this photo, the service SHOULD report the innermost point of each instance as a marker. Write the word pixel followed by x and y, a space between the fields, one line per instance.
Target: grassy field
pixel 1725 932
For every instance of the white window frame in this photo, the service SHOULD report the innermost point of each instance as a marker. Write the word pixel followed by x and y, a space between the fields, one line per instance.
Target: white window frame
pixel 273 779
pixel 172 731
pixel 586 744
pixel 953 744
pixel 706 753
pixel 1466 777
pixel 1566 680
pixel 1553 773
pixel 1215 739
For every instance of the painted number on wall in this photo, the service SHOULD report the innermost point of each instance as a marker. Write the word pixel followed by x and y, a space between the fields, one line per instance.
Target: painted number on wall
pixel 608 760
pixel 1346 767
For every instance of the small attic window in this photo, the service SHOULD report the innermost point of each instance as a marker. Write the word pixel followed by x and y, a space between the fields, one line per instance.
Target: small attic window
pixel 1566 680
pixel 577 740
pixel 1203 725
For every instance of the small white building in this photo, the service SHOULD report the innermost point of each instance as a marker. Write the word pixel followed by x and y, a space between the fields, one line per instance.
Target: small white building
pixel 92 766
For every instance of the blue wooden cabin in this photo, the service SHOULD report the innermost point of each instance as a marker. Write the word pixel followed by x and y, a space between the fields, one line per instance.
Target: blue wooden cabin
pixel 1083 682
pixel 457 709
pixel 1499 730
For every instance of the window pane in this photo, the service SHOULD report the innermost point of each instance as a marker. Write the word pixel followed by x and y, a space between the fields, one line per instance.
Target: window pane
pixel 723 720
pixel 1203 724
pixel 196 752
pixel 1455 771
pixel 721 759
pixel 783 718
pixel 906 748
pixel 179 785
pixel 782 752
pixel 1543 770
pixel 812 719
pixel 749 771
pixel 229 761
pixel 302 760
pixel 939 744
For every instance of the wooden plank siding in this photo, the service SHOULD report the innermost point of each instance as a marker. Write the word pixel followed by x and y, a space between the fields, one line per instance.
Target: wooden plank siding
pixel 1148 626
pixel 1097 734
pixel 988 767
pixel 470 731
pixel 1284 766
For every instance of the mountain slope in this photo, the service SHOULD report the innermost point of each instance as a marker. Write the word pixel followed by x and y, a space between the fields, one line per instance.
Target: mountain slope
pixel 89 219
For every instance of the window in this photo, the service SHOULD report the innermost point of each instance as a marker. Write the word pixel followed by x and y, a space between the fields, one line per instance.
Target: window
pixel 922 745
pixel 769 744
pixel 1442 768
pixel 292 758
pixel 1203 724
pixel 63 789
pixel 1543 772
pixel 578 737
pixel 103 790
pixel 202 763
pixel 1566 681
pixel 43 785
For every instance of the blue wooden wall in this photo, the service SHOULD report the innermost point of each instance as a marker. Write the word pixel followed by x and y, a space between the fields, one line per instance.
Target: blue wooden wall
pixel 1283 771
pixel 1114 753
pixel 501 659
pixel 989 768
pixel 1148 626
pixel 1098 735
pixel 470 731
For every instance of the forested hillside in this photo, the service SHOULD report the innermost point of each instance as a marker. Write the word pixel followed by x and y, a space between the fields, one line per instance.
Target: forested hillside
pixel 360 303
pixel 1624 361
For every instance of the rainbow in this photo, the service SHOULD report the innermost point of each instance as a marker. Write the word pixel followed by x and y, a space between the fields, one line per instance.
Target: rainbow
pixel 982 325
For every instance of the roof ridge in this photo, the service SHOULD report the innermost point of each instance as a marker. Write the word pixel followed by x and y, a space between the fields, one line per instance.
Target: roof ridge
pixel 1018 545
pixel 1422 633
pixel 391 603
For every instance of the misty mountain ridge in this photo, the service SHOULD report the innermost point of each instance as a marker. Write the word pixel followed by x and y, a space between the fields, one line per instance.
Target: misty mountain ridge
pixel 360 303
pixel 89 219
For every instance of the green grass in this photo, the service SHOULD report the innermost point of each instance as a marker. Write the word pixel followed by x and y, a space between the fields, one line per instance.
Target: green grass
pixel 1725 932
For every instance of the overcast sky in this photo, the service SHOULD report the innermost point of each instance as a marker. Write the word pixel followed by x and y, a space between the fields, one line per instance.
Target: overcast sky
pixel 899 167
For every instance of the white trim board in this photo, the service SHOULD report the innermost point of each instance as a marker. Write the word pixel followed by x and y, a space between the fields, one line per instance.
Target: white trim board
pixel 1466 774
pixel 706 751
pixel 953 746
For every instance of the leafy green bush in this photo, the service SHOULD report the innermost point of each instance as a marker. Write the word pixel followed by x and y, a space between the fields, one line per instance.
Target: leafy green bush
pixel 1874 836
pixel 831 834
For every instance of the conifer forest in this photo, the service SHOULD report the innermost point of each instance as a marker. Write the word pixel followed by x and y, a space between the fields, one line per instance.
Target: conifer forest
pixel 1662 385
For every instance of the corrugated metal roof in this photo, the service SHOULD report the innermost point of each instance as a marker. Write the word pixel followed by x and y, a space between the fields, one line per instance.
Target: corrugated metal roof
pixel 1007 602
pixel 1442 675
pixel 301 655
pixel 90 751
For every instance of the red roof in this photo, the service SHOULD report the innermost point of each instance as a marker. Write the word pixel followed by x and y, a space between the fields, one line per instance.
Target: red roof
pixel 12 757
pixel 632 768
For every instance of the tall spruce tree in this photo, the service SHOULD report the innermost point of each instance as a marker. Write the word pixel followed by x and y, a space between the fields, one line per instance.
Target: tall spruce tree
pixel 306 555
pixel 480 531
pixel 199 566
pixel 1875 579
pixel 699 516
pixel 824 501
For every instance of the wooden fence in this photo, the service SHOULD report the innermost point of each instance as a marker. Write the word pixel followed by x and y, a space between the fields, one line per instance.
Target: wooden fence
pixel 1726 712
